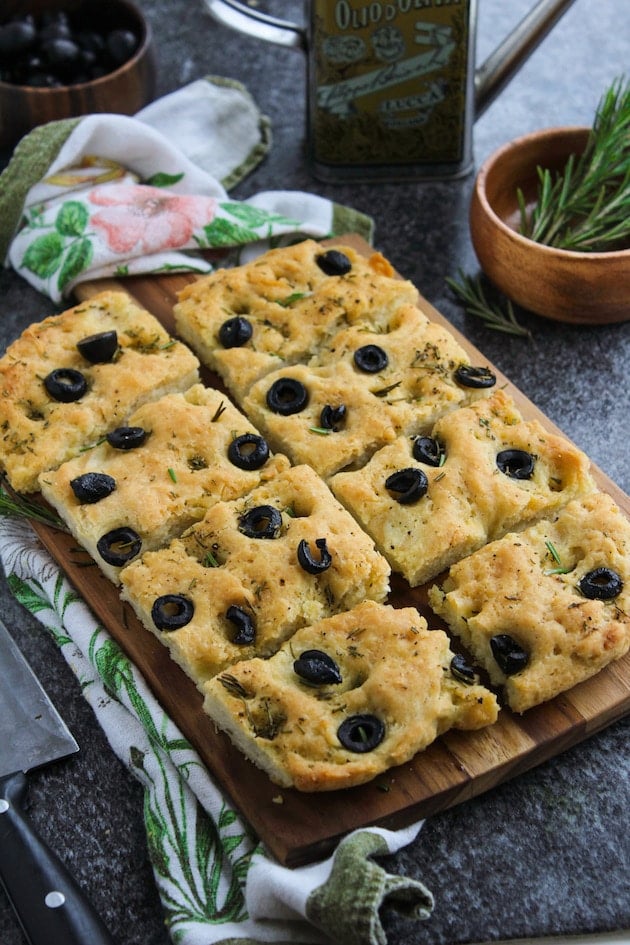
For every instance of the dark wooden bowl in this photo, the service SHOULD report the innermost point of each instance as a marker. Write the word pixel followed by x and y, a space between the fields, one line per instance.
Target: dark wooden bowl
pixel 124 91
pixel 582 288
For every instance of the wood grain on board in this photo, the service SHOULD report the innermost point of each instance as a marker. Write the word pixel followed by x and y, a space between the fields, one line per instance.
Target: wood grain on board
pixel 296 827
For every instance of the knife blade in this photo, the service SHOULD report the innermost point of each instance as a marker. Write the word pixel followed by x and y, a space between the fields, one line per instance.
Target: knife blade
pixel 50 906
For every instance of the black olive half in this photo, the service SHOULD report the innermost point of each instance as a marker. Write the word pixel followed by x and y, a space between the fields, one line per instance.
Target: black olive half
pixel 462 670
pixel 361 733
pixel 371 359
pixel 333 263
pixel 119 546
pixel 235 332
pixel 287 396
pixel 65 385
pixel 310 564
pixel 469 376
pixel 409 485
pixel 510 656
pixel 317 668
pixel 263 521
pixel 601 584
pixel 172 611
pixel 245 627
pixel 248 451
pixel 517 464
pixel 427 450
pixel 100 348
pixel 127 438
pixel 92 487
pixel 331 418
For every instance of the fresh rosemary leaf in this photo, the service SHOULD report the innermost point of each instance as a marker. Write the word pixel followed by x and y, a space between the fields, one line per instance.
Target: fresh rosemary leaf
pixel 19 507
pixel 470 291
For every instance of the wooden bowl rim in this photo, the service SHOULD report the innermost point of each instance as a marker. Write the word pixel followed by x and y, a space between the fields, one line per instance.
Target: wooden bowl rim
pixel 484 205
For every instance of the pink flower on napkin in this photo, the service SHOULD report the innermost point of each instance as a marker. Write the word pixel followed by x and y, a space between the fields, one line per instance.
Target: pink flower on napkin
pixel 148 219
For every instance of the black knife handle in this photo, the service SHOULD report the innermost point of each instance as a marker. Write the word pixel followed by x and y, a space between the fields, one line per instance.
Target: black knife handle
pixel 50 906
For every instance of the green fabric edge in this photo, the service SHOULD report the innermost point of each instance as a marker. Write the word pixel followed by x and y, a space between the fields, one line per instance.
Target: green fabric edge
pixel 348 220
pixel 29 163
pixel 259 151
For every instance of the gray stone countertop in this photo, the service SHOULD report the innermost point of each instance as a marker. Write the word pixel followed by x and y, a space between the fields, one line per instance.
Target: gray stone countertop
pixel 549 851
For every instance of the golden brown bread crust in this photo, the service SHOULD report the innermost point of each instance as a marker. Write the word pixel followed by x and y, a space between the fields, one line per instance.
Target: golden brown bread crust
pixel 392 668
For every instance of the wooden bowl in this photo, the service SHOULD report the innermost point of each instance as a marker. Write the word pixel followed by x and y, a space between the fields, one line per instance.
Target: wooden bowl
pixel 124 91
pixel 582 288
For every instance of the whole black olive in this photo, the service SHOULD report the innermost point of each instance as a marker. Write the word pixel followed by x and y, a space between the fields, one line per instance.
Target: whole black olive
pixel 510 656
pixel 248 451
pixel 16 37
pixel 263 521
pixel 287 396
pixel 121 45
pixel 65 385
pixel 427 450
pixel 331 418
pixel 172 611
pixel 334 263
pixel 99 348
pixel 469 376
pixel 235 332
pixel 245 627
pixel 601 584
pixel 371 359
pixel 60 51
pixel 92 487
pixel 126 438
pixel 317 668
pixel 462 670
pixel 361 733
pixel 408 484
pixel 517 464
pixel 119 546
pixel 310 564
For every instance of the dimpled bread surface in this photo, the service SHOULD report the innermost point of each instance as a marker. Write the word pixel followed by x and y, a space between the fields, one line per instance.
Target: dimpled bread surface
pixel 395 674
pixel 468 500
pixel 167 482
pixel 40 432
pixel 526 586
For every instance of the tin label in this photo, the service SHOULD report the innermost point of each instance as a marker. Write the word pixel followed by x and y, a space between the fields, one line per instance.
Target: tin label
pixel 390 81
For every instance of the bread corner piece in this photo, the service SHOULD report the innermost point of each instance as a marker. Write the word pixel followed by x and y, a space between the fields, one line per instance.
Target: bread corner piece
pixel 546 608
pixel 346 698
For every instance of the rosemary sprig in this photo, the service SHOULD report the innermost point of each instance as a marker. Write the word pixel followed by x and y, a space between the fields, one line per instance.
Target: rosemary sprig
pixel 586 206
pixel 19 507
pixel 470 291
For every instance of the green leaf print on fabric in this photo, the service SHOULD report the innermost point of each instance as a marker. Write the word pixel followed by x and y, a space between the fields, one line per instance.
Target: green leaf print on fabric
pixel 254 217
pixel 43 256
pixel 163 180
pixel 225 233
pixel 78 258
pixel 33 597
pixel 66 250
pixel 72 218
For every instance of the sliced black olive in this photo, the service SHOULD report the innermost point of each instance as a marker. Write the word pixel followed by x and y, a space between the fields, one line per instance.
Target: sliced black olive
pixel 310 564
pixel 462 670
pixel 263 521
pixel 248 451
pixel 518 464
pixel 65 385
pixel 119 546
pixel 92 487
pixel 469 376
pixel 245 627
pixel 172 611
pixel 127 438
pixel 427 450
pixel 371 359
pixel 601 584
pixel 510 656
pixel 287 396
pixel 235 332
pixel 100 348
pixel 409 485
pixel 331 418
pixel 317 668
pixel 334 263
pixel 361 733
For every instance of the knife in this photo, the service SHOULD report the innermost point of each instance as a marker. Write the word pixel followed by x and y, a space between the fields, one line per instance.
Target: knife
pixel 49 904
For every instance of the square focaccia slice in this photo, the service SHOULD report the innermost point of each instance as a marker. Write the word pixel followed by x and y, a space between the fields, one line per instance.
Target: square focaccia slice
pixel 69 379
pixel 152 478
pixel 252 319
pixel 548 607
pixel 242 580
pixel 347 698
pixel 429 501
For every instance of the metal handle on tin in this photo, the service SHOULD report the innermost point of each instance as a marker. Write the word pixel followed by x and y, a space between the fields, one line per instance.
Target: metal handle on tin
pixel 257 24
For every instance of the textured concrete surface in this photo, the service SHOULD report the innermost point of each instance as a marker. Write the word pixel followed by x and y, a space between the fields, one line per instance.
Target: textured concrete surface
pixel 548 852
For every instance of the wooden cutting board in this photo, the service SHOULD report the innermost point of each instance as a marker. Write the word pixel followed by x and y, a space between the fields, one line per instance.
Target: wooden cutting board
pixel 296 827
